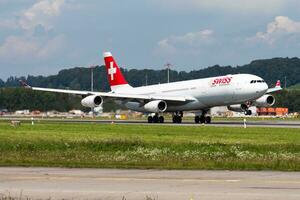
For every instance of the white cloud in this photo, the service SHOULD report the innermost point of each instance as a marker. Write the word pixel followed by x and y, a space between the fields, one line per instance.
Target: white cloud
pixel 281 27
pixel 187 42
pixel 41 13
pixel 240 6
pixel 17 49
pixel 32 46
pixel 8 24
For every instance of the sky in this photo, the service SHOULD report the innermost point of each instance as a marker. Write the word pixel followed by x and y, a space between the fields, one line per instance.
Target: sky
pixel 41 37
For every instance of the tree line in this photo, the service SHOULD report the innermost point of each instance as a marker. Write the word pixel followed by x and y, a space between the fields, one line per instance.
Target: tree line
pixel 13 98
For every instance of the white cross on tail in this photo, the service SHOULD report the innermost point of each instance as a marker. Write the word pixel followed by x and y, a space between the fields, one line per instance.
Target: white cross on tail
pixel 112 70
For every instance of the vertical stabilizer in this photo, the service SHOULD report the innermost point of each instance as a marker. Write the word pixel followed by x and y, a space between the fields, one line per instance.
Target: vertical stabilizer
pixel 114 74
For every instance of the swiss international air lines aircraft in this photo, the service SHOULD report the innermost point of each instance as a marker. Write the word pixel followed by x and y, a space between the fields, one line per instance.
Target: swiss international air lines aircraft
pixel 237 92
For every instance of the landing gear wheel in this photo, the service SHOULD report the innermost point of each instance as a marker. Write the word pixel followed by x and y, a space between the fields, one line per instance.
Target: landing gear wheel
pixel 248 112
pixel 197 119
pixel 150 119
pixel 177 119
pixel 155 119
pixel 202 119
pixel 207 119
pixel 174 119
pixel 161 119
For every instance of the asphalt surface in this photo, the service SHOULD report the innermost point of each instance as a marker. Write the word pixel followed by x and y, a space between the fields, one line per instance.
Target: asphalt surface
pixel 62 183
pixel 240 123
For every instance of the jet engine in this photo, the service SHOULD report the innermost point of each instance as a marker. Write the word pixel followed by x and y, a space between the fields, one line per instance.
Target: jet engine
pixel 156 106
pixel 92 101
pixel 238 107
pixel 264 101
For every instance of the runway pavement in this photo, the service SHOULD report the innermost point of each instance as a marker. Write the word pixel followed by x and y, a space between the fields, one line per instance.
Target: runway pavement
pixel 236 123
pixel 62 183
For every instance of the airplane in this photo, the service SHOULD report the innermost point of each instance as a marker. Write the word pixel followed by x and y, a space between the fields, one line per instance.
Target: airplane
pixel 238 92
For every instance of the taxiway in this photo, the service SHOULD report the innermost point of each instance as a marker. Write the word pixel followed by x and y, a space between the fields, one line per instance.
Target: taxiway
pixel 62 183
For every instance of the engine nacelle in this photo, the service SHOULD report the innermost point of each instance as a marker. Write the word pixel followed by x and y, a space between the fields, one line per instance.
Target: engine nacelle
pixel 264 101
pixel 238 107
pixel 157 106
pixel 92 101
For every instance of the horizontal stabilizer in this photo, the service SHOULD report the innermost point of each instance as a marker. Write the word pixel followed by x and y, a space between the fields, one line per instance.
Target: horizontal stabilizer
pixel 276 88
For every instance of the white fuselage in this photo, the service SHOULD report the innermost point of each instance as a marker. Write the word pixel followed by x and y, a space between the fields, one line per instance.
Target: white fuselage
pixel 204 93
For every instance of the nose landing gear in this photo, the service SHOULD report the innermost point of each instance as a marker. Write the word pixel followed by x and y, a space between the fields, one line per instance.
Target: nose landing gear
pixel 248 112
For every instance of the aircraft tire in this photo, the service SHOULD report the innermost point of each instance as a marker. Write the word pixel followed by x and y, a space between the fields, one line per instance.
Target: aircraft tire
pixel 161 119
pixel 207 119
pixel 155 119
pixel 249 112
pixel 202 119
pixel 150 119
pixel 197 119
pixel 177 119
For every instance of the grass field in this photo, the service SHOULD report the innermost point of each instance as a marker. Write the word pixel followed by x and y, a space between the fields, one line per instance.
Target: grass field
pixel 149 146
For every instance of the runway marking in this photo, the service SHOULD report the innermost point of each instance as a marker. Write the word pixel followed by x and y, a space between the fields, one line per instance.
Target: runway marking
pixel 118 178
pixel 51 178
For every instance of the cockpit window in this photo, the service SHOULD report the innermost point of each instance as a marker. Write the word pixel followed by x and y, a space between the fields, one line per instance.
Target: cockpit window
pixel 257 81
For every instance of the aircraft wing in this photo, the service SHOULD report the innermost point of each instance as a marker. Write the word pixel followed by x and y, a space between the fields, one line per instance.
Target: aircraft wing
pixel 111 95
pixel 276 88
pixel 270 90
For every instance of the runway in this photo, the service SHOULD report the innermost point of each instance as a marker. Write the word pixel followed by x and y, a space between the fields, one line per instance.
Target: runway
pixel 61 183
pixel 236 123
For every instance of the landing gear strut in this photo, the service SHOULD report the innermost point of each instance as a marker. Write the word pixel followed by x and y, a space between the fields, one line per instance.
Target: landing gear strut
pixel 156 119
pixel 202 119
pixel 177 117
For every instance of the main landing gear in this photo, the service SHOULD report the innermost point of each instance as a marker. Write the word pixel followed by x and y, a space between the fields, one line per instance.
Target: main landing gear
pixel 177 117
pixel 202 119
pixel 156 119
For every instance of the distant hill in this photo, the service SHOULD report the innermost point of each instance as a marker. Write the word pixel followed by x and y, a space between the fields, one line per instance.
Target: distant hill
pixel 79 78
pixel 294 87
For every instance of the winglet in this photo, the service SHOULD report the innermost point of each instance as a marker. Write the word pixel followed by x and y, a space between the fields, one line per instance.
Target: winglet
pixel 278 84
pixel 24 84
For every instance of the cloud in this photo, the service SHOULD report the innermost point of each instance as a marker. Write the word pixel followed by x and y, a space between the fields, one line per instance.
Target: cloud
pixel 188 42
pixel 8 24
pixel 237 6
pixel 37 40
pixel 281 28
pixel 41 13
pixel 17 49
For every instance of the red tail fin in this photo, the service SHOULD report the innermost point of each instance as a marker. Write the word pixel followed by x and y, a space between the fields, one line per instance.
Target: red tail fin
pixel 114 73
